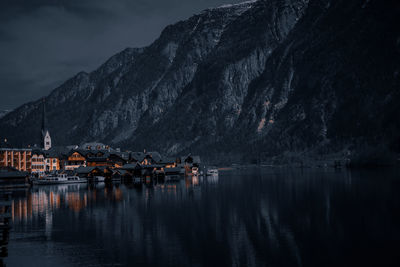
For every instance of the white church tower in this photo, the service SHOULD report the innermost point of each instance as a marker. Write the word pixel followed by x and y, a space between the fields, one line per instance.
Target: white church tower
pixel 46 139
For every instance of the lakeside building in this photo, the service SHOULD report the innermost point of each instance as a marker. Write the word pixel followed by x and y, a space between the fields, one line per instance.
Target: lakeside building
pixel 19 159
pixel 91 172
pixel 52 160
pixel 123 164
pixel 38 162
pixel 169 163
pixel 75 160
pixel 95 158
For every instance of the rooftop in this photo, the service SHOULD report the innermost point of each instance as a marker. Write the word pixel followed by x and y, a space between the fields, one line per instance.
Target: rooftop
pixel 15 149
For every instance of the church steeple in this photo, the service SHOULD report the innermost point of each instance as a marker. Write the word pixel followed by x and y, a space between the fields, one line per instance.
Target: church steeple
pixel 46 139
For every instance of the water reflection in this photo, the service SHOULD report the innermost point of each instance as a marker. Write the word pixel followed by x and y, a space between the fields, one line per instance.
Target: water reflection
pixel 48 199
pixel 253 217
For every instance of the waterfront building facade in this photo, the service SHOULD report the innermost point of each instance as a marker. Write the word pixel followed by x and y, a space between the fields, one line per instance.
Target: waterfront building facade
pixel 169 162
pixel 75 160
pixel 38 162
pixel 52 163
pixel 20 159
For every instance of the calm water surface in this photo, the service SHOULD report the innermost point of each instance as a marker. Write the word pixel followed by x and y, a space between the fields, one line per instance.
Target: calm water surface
pixel 257 217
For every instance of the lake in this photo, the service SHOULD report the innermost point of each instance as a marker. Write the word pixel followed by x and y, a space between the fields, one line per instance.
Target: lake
pixel 252 217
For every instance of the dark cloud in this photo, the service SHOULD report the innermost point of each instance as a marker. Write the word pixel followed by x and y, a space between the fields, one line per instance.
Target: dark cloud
pixel 45 42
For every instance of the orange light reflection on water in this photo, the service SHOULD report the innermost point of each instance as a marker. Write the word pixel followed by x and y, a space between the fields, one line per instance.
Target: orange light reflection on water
pixel 44 201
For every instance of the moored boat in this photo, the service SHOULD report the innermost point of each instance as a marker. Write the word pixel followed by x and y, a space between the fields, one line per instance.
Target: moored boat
pixel 58 179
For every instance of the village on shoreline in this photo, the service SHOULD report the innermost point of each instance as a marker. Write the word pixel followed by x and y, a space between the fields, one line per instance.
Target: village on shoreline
pixel 92 160
pixel 88 160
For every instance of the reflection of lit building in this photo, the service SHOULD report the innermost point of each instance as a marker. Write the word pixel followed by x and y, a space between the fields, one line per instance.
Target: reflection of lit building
pixel 212 179
pixel 118 194
pixel 192 181
pixel 43 202
pixel 49 224
pixel 20 159
pixel 75 201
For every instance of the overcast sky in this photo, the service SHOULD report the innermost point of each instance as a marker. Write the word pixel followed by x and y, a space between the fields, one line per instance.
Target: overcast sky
pixel 45 42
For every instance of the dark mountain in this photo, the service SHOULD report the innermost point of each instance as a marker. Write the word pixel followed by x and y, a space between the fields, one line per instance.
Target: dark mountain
pixel 283 79
pixel 3 113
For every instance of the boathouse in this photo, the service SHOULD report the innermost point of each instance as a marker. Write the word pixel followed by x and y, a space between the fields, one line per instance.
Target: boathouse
pixel 134 169
pixel 121 174
pixel 90 172
pixel 169 162
pixel 118 159
pixel 98 158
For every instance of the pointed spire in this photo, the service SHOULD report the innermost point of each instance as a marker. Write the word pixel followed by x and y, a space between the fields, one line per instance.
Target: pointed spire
pixel 46 139
pixel 44 117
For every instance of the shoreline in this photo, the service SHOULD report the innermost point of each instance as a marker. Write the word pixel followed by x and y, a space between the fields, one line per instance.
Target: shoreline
pixel 297 166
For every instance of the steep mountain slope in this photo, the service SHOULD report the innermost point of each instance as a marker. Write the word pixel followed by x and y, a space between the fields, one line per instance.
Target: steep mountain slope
pixel 253 80
pixel 3 113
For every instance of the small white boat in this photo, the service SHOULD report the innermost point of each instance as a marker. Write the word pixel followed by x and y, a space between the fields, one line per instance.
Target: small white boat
pixel 59 179
pixel 212 172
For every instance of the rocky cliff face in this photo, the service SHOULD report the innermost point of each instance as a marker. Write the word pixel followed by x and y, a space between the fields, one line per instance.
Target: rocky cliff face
pixel 3 113
pixel 258 79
